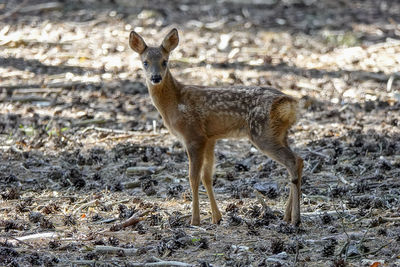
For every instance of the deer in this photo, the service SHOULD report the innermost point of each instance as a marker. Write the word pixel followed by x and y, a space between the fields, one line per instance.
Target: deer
pixel 200 115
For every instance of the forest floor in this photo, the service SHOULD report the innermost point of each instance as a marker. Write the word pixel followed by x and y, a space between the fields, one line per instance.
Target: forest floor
pixel 82 148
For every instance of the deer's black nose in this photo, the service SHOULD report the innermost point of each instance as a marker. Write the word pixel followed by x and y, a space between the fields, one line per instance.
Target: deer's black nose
pixel 155 78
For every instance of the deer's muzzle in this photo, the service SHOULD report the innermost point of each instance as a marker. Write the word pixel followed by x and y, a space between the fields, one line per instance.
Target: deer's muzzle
pixel 155 79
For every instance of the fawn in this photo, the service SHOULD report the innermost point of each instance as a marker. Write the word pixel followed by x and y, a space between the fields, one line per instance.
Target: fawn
pixel 200 115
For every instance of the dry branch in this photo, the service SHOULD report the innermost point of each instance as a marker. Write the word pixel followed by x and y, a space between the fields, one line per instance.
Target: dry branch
pixel 90 121
pixel 389 219
pixel 117 131
pixel 159 262
pixel 42 7
pixel 14 10
pixel 133 220
pixel 332 212
pixel 37 90
pixel 318 154
pixel 111 250
pixel 24 99
pixel 22 239
pixel 85 206
pixel 14 241
pixel 143 170
pixel 18 86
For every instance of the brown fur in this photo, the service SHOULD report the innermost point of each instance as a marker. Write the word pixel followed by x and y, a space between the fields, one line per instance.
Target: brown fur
pixel 283 116
pixel 199 116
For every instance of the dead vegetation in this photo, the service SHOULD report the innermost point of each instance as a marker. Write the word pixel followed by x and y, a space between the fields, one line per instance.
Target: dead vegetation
pixel 89 176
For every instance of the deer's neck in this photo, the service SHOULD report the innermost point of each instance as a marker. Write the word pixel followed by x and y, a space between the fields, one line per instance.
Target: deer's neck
pixel 165 95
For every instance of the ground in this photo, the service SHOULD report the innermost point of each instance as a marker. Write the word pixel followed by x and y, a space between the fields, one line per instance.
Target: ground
pixel 82 149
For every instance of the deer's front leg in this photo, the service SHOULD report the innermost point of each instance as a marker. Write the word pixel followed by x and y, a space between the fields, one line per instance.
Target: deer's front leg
pixel 195 151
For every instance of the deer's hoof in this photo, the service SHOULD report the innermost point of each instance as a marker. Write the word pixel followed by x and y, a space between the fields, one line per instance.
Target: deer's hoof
pixel 195 221
pixel 216 219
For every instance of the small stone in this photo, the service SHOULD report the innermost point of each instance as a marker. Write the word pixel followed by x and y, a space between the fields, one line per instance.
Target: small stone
pixel 352 251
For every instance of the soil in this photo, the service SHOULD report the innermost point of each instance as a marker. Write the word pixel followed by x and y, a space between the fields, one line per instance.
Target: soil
pixel 82 148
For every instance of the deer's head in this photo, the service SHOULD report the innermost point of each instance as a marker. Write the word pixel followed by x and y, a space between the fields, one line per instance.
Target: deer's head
pixel 154 59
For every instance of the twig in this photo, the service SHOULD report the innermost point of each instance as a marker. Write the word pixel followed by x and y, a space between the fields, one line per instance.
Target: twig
pixel 37 90
pixel 117 131
pixel 315 166
pixel 90 121
pixel 344 248
pixel 65 85
pixel 371 252
pixel 296 258
pixel 363 238
pixel 13 11
pixel 84 262
pixel 85 206
pixel 18 86
pixel 106 130
pixel 24 99
pixel 38 236
pixel 389 43
pixel 115 262
pixel 133 220
pixel 198 228
pixel 332 212
pixel 18 240
pixel 117 202
pixel 132 184
pixel 343 180
pixel 389 219
pixel 341 220
pixel 362 218
pixel 144 170
pixel 317 197
pixel 110 220
pixel 318 154
pixel 389 83
pixel 370 76
pixel 41 7
pixel 160 262
pixel 111 250
pixel 116 137
pixel 308 86
pixel 139 134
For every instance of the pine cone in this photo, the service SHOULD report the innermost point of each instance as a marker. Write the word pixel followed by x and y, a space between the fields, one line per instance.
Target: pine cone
pixel 329 248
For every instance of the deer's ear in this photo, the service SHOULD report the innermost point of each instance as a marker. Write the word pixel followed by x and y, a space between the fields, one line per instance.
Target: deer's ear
pixel 171 41
pixel 136 42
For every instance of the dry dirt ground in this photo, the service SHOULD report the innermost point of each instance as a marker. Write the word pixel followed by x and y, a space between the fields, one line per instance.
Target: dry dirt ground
pixel 82 149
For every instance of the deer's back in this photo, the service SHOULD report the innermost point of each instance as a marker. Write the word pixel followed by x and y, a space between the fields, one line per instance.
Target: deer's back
pixel 233 100
pixel 232 111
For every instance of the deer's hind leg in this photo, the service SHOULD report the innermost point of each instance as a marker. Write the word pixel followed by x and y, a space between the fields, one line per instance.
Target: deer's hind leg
pixel 277 149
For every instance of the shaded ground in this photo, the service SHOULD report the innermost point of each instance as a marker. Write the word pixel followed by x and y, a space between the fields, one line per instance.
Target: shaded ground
pixel 82 148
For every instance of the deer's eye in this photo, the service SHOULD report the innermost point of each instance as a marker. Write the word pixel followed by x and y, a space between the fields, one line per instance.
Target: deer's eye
pixel 164 63
pixel 145 64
